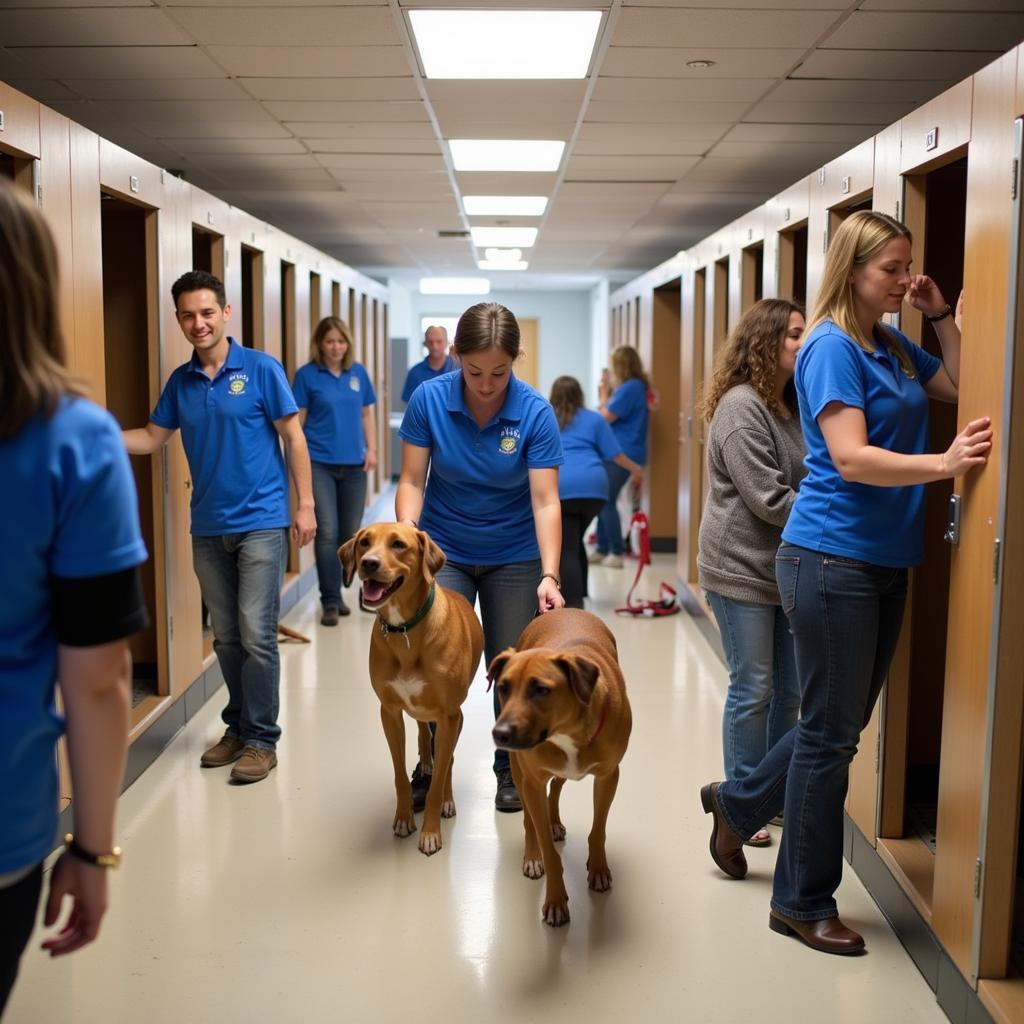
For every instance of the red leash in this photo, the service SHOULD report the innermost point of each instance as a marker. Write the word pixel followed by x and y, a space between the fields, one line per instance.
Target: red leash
pixel 640 543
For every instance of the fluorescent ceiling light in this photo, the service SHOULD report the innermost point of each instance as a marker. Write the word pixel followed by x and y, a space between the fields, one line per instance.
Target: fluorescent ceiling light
pixel 505 44
pixel 521 238
pixel 502 264
pixel 508 255
pixel 454 286
pixel 504 206
pixel 506 154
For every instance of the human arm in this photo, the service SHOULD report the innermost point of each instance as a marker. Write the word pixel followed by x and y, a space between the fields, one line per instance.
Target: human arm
pixel 411 481
pixel 924 295
pixel 636 471
pixel 146 440
pixel 547 520
pixel 297 456
pixel 370 434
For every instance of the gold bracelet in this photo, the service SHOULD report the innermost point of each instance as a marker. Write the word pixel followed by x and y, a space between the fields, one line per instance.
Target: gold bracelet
pixel 552 576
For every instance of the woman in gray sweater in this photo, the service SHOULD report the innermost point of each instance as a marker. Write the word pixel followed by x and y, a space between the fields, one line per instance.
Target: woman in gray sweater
pixel 755 454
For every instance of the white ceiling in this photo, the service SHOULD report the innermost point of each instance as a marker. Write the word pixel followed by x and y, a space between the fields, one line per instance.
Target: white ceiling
pixel 315 115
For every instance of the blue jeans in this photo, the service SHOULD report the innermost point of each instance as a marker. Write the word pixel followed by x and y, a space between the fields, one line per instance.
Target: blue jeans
pixel 763 702
pixel 339 493
pixel 508 601
pixel 609 526
pixel 846 618
pixel 240 577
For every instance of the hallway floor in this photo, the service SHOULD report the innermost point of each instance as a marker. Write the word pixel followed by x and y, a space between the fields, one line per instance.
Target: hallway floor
pixel 290 900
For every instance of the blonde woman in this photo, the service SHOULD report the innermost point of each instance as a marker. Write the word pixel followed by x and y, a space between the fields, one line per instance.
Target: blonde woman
pixel 336 401
pixel 854 530
pixel 755 452
pixel 625 409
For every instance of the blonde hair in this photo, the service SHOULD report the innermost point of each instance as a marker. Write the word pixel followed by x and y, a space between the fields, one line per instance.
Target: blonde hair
pixel 627 365
pixel 332 323
pixel 861 237
pixel 33 374
pixel 750 355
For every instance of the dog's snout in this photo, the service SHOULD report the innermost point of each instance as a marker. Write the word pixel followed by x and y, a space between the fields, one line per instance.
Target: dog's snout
pixel 369 563
pixel 503 734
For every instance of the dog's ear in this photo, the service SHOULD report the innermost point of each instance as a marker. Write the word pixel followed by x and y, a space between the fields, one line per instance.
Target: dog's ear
pixel 497 665
pixel 347 554
pixel 582 674
pixel 433 556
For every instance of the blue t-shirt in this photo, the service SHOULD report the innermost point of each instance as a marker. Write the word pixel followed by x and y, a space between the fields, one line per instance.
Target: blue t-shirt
pixel 477 502
pixel 629 404
pixel 588 443
pixel 239 481
pixel 71 512
pixel 880 525
pixel 334 423
pixel 423 371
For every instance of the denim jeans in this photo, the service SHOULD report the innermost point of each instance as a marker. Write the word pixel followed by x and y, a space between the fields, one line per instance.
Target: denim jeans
pixel 339 493
pixel 508 601
pixel 609 526
pixel 240 576
pixel 576 516
pixel 763 701
pixel 846 618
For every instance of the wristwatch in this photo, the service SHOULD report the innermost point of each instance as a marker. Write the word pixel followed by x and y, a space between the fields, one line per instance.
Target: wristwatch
pixel 110 860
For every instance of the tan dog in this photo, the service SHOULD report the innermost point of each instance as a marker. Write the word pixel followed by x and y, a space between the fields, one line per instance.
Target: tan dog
pixel 424 651
pixel 564 715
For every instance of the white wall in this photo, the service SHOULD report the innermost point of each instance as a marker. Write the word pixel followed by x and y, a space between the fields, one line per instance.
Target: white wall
pixel 564 327
pixel 599 331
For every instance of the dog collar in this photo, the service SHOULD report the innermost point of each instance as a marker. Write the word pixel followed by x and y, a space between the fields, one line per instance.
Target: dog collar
pixel 600 723
pixel 386 627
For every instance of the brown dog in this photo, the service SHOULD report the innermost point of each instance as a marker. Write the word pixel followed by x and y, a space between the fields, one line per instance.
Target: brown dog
pixel 564 715
pixel 424 651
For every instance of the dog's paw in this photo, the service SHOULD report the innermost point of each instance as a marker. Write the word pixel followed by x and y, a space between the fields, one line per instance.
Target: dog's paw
pixel 556 913
pixel 558 832
pixel 404 826
pixel 600 880
pixel 533 868
pixel 448 809
pixel 430 843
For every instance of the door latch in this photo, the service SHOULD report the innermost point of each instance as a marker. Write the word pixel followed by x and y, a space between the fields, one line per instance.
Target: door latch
pixel 952 534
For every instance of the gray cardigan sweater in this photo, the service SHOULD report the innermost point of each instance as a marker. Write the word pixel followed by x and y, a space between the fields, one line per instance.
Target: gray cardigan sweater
pixel 755 464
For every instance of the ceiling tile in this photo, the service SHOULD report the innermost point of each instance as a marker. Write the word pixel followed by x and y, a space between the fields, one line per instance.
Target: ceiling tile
pixel 892 64
pixel 903 30
pixel 312 61
pixel 361 130
pixel 188 111
pixel 650 146
pixel 477 127
pixel 96 26
pixel 806 90
pixel 670 62
pixel 338 163
pixel 386 146
pixel 399 110
pixel 681 89
pixel 642 135
pixel 829 113
pixel 240 147
pixel 781 134
pixel 201 129
pixel 629 168
pixel 720 27
pixel 157 89
pixel 124 62
pixel 331 88
pixel 293 25
pixel 680 113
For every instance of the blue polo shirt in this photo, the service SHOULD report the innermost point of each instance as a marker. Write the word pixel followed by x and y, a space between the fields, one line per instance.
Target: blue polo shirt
pixel 334 422
pixel 880 525
pixel 477 501
pixel 71 512
pixel 629 404
pixel 239 481
pixel 588 443
pixel 424 371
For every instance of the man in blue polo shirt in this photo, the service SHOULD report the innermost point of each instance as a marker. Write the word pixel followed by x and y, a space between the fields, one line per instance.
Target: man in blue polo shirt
pixel 232 405
pixel 438 361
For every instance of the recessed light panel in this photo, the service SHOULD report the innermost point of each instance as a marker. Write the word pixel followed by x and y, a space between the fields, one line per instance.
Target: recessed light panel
pixel 520 238
pixel 505 44
pixel 504 206
pixel 454 286
pixel 506 154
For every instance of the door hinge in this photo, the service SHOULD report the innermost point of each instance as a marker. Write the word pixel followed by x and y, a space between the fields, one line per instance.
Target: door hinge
pixel 1013 180
pixel 897 209
pixel 163 470
pixel 824 241
pixel 996 559
pixel 977 878
pixel 170 627
pixel 878 754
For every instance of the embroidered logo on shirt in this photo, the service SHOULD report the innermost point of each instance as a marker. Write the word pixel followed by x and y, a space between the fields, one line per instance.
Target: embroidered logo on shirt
pixel 509 441
pixel 354 383
pixel 236 383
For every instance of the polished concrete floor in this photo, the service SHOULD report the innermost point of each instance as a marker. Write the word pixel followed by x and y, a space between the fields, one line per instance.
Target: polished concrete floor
pixel 290 900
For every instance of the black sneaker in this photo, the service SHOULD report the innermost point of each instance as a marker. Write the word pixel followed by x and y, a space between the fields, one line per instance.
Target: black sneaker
pixel 420 787
pixel 507 796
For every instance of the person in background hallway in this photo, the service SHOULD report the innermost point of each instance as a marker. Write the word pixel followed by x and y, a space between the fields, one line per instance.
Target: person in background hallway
pixel 587 444
pixel 755 456
pixel 490 501
pixel 71 597
pixel 625 409
pixel 437 361
pixel 233 404
pixel 854 529
pixel 336 402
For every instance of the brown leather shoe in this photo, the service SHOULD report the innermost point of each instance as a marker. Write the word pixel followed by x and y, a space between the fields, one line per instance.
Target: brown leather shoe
pixel 827 936
pixel 254 765
pixel 224 751
pixel 726 845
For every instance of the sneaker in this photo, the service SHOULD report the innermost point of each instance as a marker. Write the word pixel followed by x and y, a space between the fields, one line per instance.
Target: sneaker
pixel 507 796
pixel 330 617
pixel 254 765
pixel 420 787
pixel 612 561
pixel 596 557
pixel 224 751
